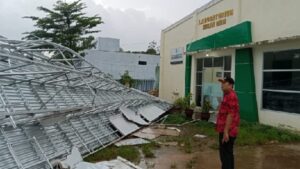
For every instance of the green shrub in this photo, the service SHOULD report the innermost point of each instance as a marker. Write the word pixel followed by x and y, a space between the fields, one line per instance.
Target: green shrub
pixel 176 118
pixel 148 149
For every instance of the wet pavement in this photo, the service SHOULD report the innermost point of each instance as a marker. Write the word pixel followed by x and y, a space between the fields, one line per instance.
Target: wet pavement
pixel 247 157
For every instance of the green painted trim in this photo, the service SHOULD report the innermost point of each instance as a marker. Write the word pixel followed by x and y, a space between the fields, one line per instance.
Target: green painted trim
pixel 188 73
pixel 245 84
pixel 238 34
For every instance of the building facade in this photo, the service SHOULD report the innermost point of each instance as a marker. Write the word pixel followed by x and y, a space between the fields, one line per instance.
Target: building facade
pixel 109 59
pixel 255 42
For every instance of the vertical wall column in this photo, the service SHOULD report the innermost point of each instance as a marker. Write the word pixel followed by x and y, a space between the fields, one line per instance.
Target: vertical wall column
pixel 245 84
pixel 188 74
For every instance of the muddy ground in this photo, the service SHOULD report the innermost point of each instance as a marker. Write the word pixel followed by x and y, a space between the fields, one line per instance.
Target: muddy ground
pixel 258 157
pixel 257 147
pixel 203 154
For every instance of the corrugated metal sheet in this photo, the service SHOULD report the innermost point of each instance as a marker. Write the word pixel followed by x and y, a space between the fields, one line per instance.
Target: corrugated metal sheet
pixel 150 112
pixel 123 125
pixel 48 105
pixel 133 116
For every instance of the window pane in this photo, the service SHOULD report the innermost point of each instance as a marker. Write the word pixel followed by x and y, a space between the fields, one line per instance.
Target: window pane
pixel 218 62
pixel 198 95
pixel 142 63
pixel 199 64
pixel 208 62
pixel 199 78
pixel 282 60
pixel 227 74
pixel 227 64
pixel 287 102
pixel 282 80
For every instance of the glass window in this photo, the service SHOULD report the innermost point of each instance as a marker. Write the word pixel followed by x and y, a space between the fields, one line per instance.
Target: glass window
pixel 218 62
pixel 227 63
pixel 287 102
pixel 208 62
pixel 199 64
pixel 198 95
pixel 142 63
pixel 199 78
pixel 227 74
pixel 282 60
pixel 281 81
pixel 199 81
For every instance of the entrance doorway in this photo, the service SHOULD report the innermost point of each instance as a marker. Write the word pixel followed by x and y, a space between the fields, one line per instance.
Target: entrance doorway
pixel 211 91
pixel 209 71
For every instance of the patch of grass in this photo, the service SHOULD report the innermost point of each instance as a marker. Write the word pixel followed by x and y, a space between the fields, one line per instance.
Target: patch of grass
pixel 148 149
pixel 176 118
pixel 185 142
pixel 257 134
pixel 249 133
pixel 206 128
pixel 253 133
pixel 130 153
pixel 188 145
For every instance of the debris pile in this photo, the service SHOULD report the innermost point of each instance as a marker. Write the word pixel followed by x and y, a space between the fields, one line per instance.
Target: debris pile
pixel 52 100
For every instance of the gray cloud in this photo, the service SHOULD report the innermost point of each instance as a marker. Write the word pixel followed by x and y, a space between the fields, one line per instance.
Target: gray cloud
pixel 135 22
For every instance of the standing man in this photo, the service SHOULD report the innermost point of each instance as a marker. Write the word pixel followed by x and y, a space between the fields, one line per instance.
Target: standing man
pixel 228 120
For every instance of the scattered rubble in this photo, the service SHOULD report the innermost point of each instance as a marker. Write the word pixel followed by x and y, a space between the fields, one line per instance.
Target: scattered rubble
pixel 153 132
pixel 200 136
pixel 132 142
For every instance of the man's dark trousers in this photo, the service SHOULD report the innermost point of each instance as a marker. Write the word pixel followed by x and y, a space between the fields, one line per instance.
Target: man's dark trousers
pixel 226 152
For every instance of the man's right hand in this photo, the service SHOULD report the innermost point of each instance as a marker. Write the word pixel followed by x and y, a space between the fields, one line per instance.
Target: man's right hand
pixel 225 137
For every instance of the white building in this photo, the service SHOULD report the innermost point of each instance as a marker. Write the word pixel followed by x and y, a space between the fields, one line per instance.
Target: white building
pixel 108 44
pixel 257 42
pixel 108 58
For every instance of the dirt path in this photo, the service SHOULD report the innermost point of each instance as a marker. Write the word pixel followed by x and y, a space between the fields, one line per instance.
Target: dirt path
pixel 259 157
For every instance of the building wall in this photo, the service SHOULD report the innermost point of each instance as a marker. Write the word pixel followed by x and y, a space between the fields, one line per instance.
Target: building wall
pixel 275 118
pixel 108 44
pixel 221 6
pixel 270 20
pixel 116 63
pixel 172 77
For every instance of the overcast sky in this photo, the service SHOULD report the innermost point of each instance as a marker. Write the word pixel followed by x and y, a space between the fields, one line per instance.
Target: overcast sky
pixel 135 22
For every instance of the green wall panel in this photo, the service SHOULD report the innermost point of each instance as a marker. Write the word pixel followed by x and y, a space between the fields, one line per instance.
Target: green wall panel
pixel 245 77
pixel 245 84
pixel 245 56
pixel 248 106
pixel 238 34
pixel 188 74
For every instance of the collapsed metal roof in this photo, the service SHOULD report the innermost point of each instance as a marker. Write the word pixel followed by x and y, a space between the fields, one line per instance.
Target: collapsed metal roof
pixel 50 104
